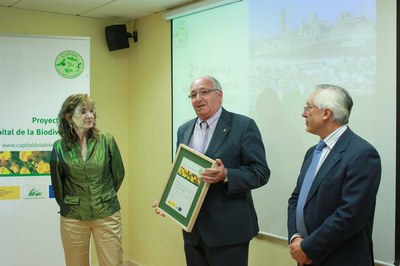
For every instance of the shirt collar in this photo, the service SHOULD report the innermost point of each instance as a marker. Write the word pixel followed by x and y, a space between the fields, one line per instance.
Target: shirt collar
pixel 212 120
pixel 332 138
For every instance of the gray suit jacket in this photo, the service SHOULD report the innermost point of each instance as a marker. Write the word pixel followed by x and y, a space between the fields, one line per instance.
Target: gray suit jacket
pixel 227 215
pixel 339 211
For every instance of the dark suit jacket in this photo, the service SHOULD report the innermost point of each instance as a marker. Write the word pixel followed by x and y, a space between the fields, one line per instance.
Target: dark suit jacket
pixel 339 211
pixel 227 215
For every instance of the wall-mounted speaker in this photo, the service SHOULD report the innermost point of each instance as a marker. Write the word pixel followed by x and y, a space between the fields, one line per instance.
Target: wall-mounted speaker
pixel 117 37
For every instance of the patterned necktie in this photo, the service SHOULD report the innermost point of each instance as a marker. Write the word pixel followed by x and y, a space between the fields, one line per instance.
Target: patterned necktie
pixel 203 143
pixel 305 188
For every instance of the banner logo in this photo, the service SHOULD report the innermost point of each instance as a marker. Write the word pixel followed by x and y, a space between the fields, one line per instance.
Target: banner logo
pixel 69 64
pixel 34 192
pixel 10 192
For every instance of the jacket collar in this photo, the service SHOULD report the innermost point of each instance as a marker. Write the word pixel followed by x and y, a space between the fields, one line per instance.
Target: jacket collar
pixel 333 158
pixel 221 130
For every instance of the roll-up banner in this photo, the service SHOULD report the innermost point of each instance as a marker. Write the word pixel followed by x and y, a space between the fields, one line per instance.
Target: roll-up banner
pixel 37 73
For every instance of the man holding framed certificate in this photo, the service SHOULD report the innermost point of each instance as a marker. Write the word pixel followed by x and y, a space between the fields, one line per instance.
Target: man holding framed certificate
pixel 227 220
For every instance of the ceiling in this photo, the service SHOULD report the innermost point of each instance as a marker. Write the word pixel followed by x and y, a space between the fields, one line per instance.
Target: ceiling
pixel 118 10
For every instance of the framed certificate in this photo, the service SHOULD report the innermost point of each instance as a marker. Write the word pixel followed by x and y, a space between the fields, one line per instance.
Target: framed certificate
pixel 185 190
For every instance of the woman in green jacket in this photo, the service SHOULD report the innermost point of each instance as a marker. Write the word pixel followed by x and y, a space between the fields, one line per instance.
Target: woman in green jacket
pixel 86 173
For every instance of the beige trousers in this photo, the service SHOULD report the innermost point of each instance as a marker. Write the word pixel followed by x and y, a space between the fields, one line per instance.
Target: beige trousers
pixel 75 235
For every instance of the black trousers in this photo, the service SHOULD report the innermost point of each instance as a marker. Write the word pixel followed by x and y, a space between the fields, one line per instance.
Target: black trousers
pixel 202 255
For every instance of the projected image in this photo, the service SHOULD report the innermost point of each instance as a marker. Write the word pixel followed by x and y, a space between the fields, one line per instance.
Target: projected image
pixel 295 45
pixel 269 55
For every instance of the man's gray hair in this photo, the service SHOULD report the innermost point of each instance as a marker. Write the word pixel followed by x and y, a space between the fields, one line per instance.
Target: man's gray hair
pixel 334 98
pixel 217 85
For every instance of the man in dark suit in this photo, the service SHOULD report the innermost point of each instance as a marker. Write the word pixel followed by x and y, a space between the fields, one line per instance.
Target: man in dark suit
pixel 333 224
pixel 227 220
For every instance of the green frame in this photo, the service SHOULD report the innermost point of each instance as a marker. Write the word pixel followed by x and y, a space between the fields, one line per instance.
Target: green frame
pixel 198 188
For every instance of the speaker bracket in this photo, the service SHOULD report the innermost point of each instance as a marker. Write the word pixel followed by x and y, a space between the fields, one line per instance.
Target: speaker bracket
pixel 135 36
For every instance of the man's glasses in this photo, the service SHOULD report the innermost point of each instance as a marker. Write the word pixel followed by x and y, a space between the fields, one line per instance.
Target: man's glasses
pixel 202 92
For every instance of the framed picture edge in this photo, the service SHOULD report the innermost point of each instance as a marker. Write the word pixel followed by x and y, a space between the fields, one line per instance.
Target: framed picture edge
pixel 192 219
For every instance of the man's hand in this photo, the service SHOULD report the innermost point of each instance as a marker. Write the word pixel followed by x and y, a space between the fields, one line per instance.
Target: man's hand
pixel 297 252
pixel 215 175
pixel 155 205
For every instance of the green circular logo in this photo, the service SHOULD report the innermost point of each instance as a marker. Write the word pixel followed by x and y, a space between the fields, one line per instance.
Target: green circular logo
pixel 69 64
pixel 181 34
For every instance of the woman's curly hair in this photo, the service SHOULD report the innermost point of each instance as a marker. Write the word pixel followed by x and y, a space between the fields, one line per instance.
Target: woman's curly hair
pixel 65 127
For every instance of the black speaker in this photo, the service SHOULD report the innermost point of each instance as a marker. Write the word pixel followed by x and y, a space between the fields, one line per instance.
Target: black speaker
pixel 117 37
